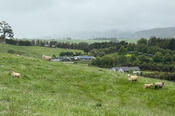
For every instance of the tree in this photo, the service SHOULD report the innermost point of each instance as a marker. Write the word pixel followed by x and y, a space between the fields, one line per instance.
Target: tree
pixel 158 57
pixel 173 57
pixel 141 48
pixel 152 41
pixel 121 60
pixel 122 50
pixel 24 43
pixel 6 30
pixel 84 46
pixel 107 61
pixel 172 44
pixel 133 58
pixel 11 41
pixel 143 59
pixel 168 58
pixel 97 53
pixel 66 54
pixel 131 47
pixel 142 41
pixel 123 43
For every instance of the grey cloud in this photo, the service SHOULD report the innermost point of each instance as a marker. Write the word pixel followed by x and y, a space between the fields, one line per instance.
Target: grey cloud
pixel 24 5
pixel 32 18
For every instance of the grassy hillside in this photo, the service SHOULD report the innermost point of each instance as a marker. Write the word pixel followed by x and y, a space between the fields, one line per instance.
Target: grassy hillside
pixel 133 40
pixel 52 89
pixel 31 51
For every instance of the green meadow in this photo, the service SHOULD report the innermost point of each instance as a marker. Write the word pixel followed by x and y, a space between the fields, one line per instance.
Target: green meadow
pixel 32 51
pixel 129 40
pixel 59 89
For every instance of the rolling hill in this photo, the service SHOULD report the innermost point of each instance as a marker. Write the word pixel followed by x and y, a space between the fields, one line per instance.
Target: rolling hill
pixel 52 89
pixel 157 32
pixel 167 32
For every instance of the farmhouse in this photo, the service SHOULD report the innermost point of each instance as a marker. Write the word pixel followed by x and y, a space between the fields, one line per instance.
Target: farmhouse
pixel 55 60
pixel 84 57
pixel 126 69
pixel 46 45
pixel 66 58
pixel 73 58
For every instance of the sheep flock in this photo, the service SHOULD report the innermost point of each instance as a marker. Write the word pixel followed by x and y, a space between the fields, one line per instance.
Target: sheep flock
pixel 132 78
pixel 157 85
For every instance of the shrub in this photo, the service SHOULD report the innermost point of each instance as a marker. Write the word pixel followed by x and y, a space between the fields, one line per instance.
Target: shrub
pixel 11 41
pixel 15 52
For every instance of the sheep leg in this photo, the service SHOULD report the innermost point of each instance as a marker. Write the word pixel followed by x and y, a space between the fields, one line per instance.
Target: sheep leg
pixel 157 87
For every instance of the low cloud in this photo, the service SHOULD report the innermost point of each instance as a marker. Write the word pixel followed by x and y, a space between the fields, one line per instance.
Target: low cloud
pixel 36 18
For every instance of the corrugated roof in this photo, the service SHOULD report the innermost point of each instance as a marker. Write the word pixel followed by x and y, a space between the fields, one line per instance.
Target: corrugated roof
pixel 126 68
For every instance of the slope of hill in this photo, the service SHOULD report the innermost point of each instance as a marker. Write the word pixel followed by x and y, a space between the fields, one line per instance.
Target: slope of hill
pixel 32 51
pixel 158 32
pixel 52 89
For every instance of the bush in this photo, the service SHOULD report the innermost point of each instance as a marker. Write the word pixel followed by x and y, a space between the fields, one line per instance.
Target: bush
pixel 54 56
pixel 70 54
pixel 15 52
pixel 11 51
pixel 24 43
pixel 11 41
pixel 160 75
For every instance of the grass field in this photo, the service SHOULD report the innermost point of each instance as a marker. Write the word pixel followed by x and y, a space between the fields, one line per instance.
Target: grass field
pixel 58 89
pixel 32 51
pixel 129 40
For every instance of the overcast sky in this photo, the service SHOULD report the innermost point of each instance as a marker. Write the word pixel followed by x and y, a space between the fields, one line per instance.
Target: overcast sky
pixel 37 18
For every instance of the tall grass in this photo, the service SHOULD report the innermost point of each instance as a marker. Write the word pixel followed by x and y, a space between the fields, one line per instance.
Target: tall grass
pixel 32 51
pixel 58 89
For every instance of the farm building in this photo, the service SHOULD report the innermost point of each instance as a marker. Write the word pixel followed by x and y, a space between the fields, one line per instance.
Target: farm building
pixel 84 57
pixel 126 69
pixel 74 58
pixel 66 58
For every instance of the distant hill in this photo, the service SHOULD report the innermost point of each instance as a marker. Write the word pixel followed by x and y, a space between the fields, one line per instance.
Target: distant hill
pixel 115 33
pixel 158 32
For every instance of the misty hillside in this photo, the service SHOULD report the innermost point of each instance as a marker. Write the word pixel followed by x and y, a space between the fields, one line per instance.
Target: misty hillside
pixel 158 32
pixel 113 33
pixel 167 32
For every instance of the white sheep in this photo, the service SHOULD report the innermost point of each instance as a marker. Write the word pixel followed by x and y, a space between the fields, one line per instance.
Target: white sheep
pixel 132 78
pixel 48 58
pixel 159 84
pixel 148 85
pixel 13 74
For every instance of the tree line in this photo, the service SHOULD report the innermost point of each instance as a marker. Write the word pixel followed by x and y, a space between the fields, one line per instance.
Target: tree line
pixel 154 54
pixel 147 54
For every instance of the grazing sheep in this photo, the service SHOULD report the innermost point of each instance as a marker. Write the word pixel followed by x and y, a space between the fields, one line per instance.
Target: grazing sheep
pixel 48 58
pixel 148 85
pixel 13 74
pixel 159 84
pixel 132 78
